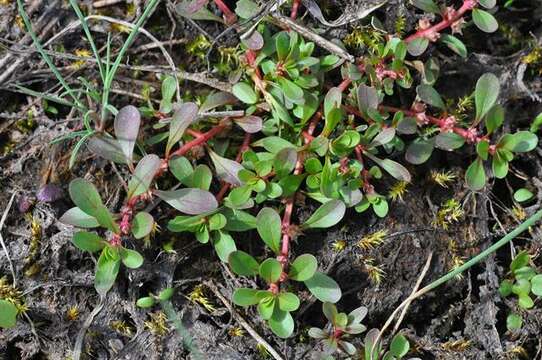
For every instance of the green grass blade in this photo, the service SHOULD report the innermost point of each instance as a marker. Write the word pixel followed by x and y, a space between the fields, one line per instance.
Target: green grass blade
pixel 45 96
pixel 44 55
pixel 86 29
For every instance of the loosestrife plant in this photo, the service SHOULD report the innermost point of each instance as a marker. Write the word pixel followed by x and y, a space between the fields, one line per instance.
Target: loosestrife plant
pixel 302 137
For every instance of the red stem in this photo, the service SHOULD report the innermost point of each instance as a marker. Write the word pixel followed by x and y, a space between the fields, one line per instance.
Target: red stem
pixel 295 9
pixel 199 140
pixel 446 22
pixel 229 16
pixel 471 134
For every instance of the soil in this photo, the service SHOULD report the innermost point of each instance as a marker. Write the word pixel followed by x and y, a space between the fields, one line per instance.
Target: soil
pixel 464 319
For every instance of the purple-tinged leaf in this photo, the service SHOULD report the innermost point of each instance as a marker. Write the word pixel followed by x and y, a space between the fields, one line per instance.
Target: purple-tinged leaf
pixel 226 169
pixel 419 151
pixel 367 98
pixel 383 137
pixel 49 193
pixel 107 147
pixel 126 125
pixel 251 124
pixel 190 201
pixel 143 175
pixel 254 41
pixel 191 7
pixel 24 203
pixel 217 99
pixel 182 119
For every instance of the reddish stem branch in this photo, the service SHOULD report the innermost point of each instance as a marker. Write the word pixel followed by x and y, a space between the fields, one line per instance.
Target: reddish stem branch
pixel 295 9
pixel 229 16
pixel 199 140
pixel 449 18
pixel 445 124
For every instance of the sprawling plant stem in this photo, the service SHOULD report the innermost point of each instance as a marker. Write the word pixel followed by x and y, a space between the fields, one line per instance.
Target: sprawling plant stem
pixel 451 17
pixel 470 135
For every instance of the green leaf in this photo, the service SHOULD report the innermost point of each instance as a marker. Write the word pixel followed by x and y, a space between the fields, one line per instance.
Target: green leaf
pixel 143 176
pixel 145 302
pixel 482 149
pixel 521 260
pixel 430 96
pixel 244 92
pixel 454 44
pixel 536 285
pixel 399 346
pixel 181 168
pixel 513 322
pixel 182 119
pixel 78 218
pixel 324 288
pixel 142 224
pixel 536 124
pixel 224 245
pixel 419 151
pixel 200 178
pixel 243 264
pixel 488 4
pixel 189 201
pixel 131 258
pixel 226 169
pixel 484 21
pixel 521 287
pixel 268 224
pixel 326 215
pixel 270 270
pixel 303 267
pixel 246 9
pixel 494 118
pixel 84 194
pixel 107 269
pixel 380 207
pixel 87 241
pixel 476 175
pixel 499 165
pixel 266 307
pixel 288 301
pixel 239 220
pixel 165 294
pixel 524 141
pixel 281 323
pixel 8 314
pixel 246 297
pixel 505 288
pixel 417 46
pixel 525 301
pixel 486 94
pixel 291 91
pixel 217 99
pixel 273 144
pixel 169 88
pixel 449 141
pixel 282 43
pixel 393 168
pixel 426 5
pixel 126 126
pixel 522 195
